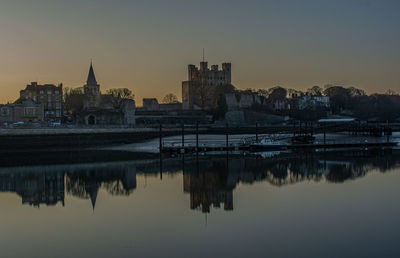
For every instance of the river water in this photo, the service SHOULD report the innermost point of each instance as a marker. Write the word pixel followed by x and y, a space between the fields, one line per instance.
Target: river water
pixel 291 204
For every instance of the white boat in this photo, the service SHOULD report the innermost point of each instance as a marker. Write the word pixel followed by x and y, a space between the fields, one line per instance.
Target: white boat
pixel 268 144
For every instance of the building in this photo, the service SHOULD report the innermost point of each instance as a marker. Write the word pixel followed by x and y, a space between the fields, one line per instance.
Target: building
pixel 104 109
pixel 200 90
pixel 151 104
pixel 309 102
pixel 240 100
pixel 92 91
pixel 22 110
pixel 48 95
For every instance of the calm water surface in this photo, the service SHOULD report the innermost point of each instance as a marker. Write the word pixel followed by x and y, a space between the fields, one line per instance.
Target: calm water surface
pixel 330 204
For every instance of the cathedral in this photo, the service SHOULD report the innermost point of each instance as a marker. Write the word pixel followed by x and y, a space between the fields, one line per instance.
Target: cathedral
pixel 104 109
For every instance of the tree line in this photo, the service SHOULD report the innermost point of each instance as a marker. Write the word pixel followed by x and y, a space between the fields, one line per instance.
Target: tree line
pixel 343 100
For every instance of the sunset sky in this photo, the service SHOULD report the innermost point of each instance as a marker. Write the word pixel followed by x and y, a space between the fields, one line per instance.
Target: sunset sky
pixel 147 45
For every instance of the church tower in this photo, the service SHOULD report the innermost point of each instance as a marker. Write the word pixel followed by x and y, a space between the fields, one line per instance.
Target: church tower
pixel 92 89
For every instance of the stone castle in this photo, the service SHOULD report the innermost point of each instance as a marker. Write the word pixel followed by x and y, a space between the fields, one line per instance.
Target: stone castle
pixel 198 92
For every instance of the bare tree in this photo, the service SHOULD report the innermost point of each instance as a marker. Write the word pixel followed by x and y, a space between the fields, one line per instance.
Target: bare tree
pixel 73 99
pixel 119 95
pixel 170 98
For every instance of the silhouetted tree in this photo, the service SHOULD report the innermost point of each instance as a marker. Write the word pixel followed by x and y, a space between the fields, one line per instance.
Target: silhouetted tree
pixel 277 93
pixel 315 91
pixel 170 98
pixel 119 95
pixel 73 99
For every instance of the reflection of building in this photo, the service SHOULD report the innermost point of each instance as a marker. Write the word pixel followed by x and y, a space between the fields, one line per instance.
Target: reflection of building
pixel 35 188
pixel 116 180
pixel 206 189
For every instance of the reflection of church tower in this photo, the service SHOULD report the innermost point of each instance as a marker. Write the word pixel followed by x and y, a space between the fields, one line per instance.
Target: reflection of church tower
pixel 92 89
pixel 92 188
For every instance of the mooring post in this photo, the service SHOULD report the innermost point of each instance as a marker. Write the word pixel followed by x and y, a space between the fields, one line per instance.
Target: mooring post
pixel 160 134
pixel 294 128
pixel 256 132
pixel 324 134
pixel 387 131
pixel 183 136
pixel 197 136
pixel 161 161
pixel 227 137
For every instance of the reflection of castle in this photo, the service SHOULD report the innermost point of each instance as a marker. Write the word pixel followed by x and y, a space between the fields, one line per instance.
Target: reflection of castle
pixel 207 189
pixel 35 188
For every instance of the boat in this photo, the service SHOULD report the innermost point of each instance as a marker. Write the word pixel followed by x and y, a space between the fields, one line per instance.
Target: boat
pixel 303 139
pixel 268 144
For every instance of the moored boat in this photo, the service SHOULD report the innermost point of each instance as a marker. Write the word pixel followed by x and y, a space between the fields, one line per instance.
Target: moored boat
pixel 268 144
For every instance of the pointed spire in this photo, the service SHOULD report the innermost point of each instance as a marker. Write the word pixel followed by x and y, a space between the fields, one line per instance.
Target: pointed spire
pixel 93 197
pixel 91 80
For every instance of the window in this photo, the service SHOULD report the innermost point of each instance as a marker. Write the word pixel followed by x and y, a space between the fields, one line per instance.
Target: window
pixel 57 92
pixel 41 92
pixel 49 92
pixel 5 111
pixel 29 111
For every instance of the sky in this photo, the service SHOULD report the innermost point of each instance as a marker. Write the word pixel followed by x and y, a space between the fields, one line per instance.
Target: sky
pixel 146 45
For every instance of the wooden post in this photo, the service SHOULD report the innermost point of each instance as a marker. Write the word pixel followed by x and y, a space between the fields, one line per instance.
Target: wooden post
pixel 256 132
pixel 324 134
pixel 183 136
pixel 227 137
pixel 387 131
pixel 161 139
pixel 197 136
pixel 294 128
pixel 161 161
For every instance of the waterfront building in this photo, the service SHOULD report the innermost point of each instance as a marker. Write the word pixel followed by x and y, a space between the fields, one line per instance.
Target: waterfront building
pixel 48 95
pixel 22 110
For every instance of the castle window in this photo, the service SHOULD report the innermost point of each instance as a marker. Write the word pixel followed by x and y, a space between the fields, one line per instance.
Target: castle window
pixel 49 92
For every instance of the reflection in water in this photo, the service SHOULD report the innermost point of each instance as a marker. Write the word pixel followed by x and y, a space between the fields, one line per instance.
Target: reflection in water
pixel 210 181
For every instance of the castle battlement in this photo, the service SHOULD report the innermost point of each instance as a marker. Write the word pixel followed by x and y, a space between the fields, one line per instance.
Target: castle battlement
pixel 212 76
